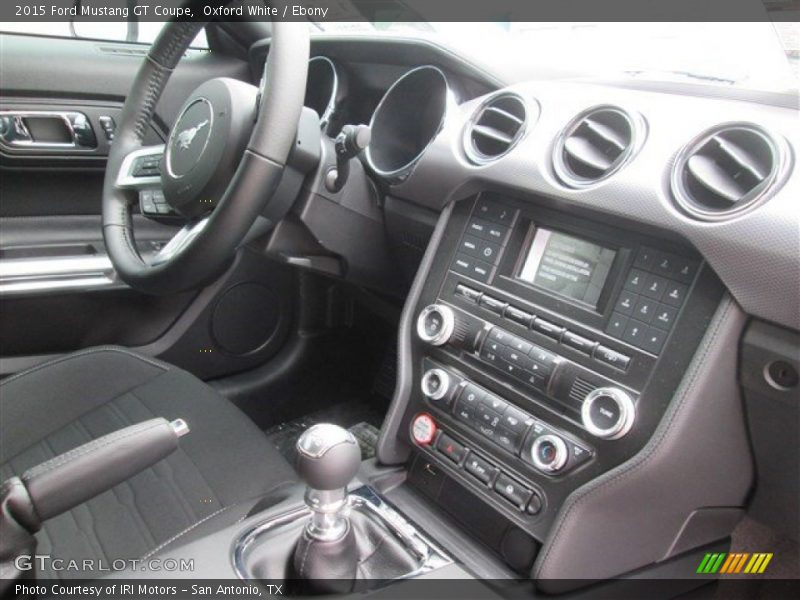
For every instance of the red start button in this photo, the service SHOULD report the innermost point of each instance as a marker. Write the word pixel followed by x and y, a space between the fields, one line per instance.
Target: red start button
pixel 423 429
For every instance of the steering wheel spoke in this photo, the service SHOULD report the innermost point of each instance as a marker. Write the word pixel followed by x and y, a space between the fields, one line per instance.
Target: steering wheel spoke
pixel 179 241
pixel 140 169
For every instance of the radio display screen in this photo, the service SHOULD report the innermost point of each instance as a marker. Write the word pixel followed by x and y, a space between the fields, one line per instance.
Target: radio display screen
pixel 567 265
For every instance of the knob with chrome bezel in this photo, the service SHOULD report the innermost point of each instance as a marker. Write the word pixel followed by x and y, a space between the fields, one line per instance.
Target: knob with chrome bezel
pixel 549 453
pixel 435 383
pixel 608 413
pixel 435 324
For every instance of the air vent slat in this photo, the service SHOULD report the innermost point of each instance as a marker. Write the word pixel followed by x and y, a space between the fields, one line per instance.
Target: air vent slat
pixel 726 171
pixel 595 145
pixel 495 129
pixel 711 176
pixel 494 134
pixel 582 150
pixel 606 133
pixel 505 114
pixel 741 158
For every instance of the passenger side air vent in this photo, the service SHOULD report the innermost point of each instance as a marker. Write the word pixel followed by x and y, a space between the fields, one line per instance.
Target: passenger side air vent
pixel 495 128
pixel 727 170
pixel 596 144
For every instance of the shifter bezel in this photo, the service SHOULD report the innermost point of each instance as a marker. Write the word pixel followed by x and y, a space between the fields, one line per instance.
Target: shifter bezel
pixel 365 499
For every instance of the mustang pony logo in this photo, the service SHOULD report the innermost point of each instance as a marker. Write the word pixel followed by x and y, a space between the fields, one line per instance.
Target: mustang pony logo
pixel 186 137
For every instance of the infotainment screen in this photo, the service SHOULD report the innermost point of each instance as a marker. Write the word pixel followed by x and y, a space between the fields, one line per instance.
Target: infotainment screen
pixel 567 265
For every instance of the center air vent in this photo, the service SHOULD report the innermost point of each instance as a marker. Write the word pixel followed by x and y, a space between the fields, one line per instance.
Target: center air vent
pixel 495 128
pixel 596 144
pixel 726 171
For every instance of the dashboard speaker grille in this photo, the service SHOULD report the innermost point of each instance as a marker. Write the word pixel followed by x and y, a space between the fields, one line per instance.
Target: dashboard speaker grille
pixel 726 171
pixel 495 128
pixel 595 145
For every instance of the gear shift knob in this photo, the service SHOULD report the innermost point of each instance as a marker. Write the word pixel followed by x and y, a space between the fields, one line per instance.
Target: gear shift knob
pixel 328 457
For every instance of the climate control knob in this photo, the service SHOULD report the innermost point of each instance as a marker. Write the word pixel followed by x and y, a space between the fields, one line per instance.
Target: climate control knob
pixel 549 453
pixel 435 383
pixel 608 413
pixel 435 324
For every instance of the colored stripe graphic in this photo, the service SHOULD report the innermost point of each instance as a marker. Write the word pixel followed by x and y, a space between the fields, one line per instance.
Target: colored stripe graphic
pixel 703 564
pixel 741 562
pixel 734 562
pixel 729 562
pixel 759 562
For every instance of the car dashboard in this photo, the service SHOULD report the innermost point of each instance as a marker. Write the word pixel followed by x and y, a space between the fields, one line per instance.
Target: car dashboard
pixel 579 259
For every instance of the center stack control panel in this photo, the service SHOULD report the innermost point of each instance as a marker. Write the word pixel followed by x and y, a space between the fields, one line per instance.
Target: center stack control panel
pixel 546 349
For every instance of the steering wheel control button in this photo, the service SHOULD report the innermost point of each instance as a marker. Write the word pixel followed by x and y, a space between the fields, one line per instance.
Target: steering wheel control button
pixel 608 413
pixel 480 469
pixel 435 324
pixel 451 448
pixel 436 384
pixel 512 491
pixel 549 453
pixel 147 166
pixel 423 429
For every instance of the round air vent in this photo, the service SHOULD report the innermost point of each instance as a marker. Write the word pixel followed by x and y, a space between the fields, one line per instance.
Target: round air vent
pixel 495 128
pixel 597 144
pixel 728 170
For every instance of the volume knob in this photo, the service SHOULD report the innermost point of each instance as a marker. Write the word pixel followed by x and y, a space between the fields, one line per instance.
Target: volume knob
pixel 608 413
pixel 435 324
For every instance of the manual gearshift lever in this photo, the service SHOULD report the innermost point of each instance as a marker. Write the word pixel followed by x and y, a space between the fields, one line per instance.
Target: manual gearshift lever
pixel 328 457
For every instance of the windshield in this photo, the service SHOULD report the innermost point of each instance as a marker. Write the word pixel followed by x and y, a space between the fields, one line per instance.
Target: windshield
pixel 763 56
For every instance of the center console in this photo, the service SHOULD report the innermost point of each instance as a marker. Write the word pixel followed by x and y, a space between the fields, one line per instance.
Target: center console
pixel 544 350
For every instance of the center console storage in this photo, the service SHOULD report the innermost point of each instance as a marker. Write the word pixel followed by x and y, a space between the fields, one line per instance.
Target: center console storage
pixel 545 349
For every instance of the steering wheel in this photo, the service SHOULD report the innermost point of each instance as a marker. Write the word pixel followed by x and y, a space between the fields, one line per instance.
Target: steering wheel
pixel 211 172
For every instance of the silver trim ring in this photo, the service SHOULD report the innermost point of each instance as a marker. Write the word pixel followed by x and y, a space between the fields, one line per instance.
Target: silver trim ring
pixel 627 413
pixel 781 163
pixel 476 156
pixel 401 172
pixel 444 386
pixel 448 324
pixel 560 458
pixel 638 127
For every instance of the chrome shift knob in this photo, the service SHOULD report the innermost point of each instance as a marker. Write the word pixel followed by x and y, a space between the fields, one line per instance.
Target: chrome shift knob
pixel 328 457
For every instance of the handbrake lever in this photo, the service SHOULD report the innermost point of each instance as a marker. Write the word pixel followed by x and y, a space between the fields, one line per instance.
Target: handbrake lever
pixel 69 479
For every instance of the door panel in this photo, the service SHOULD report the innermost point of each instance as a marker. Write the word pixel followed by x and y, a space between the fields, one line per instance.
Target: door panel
pixel 58 292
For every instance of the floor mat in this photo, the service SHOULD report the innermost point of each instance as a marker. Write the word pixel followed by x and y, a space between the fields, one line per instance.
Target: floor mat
pixel 362 419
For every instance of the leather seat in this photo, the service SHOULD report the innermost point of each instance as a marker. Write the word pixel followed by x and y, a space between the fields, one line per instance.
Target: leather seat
pixel 223 466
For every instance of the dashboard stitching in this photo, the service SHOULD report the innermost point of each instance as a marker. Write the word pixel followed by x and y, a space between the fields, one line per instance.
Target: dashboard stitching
pixel 642 459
